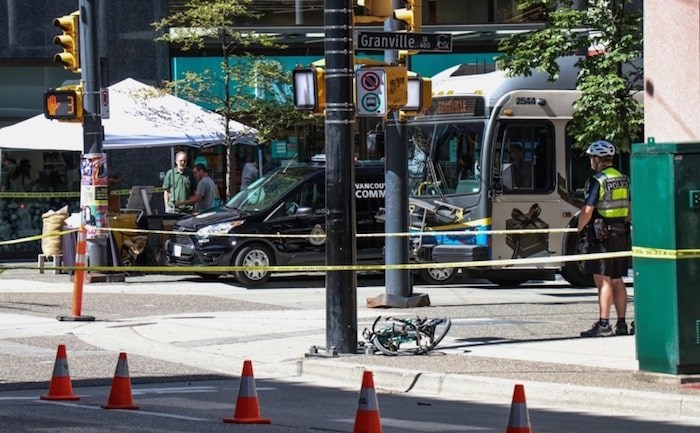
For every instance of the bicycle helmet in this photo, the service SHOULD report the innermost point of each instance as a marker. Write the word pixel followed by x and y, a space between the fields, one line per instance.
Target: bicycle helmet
pixel 601 148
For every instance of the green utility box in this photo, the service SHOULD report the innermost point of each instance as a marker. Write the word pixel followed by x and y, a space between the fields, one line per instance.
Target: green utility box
pixel 666 246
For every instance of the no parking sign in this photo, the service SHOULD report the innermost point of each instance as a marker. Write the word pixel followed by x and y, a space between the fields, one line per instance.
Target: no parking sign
pixel 371 92
pixel 380 89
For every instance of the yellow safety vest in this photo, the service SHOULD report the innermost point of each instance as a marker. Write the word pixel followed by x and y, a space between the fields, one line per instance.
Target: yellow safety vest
pixel 613 194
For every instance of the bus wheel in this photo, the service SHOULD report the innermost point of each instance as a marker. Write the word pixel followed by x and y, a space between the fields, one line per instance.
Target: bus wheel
pixel 507 281
pixel 573 272
pixel 253 256
pixel 438 275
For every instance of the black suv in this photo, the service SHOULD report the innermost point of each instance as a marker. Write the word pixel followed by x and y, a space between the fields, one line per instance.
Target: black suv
pixel 290 201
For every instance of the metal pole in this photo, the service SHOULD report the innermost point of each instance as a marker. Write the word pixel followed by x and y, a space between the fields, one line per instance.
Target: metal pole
pixel 93 134
pixel 398 282
pixel 341 286
pixel 93 185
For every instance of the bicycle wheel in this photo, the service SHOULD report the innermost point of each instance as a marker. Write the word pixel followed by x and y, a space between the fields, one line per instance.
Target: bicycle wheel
pixel 441 330
pixel 387 339
pixel 433 332
pixel 386 344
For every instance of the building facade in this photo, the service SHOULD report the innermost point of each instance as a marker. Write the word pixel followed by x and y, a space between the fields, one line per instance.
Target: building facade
pixel 127 49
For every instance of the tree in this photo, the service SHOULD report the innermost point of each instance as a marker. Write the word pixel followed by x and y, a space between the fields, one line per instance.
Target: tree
pixel 246 87
pixel 609 34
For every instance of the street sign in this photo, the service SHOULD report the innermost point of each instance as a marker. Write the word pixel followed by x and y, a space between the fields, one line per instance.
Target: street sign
pixel 403 41
pixel 104 103
pixel 371 93
pixel 380 89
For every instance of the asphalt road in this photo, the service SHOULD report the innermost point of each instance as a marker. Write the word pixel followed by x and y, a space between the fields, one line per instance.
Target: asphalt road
pixel 193 396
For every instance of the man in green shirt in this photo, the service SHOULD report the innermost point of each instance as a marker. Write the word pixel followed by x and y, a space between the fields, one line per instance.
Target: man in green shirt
pixel 179 184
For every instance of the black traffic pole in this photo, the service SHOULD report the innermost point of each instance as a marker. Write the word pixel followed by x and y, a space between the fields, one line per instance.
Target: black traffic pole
pixel 93 134
pixel 398 282
pixel 341 285
pixel 94 180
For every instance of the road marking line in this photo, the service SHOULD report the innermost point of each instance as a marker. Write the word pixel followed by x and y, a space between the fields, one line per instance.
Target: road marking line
pixel 139 412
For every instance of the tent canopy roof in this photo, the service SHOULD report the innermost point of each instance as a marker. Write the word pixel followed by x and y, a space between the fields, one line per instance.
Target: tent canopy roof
pixel 140 116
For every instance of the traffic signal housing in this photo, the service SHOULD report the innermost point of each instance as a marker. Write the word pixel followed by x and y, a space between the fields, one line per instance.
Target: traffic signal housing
pixel 69 41
pixel 411 15
pixel 375 11
pixel 419 95
pixel 64 104
pixel 309 88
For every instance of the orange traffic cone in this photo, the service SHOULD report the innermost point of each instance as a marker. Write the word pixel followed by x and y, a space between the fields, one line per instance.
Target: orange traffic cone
pixel 60 387
pixel 247 408
pixel 367 417
pixel 518 420
pixel 120 394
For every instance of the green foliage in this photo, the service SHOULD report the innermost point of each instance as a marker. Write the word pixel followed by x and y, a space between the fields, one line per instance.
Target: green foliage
pixel 246 88
pixel 608 81
pixel 204 20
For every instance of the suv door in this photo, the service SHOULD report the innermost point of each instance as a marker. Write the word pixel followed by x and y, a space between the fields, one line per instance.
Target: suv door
pixel 303 212
pixel 369 198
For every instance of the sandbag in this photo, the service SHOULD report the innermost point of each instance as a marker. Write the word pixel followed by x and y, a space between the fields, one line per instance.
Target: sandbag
pixel 53 223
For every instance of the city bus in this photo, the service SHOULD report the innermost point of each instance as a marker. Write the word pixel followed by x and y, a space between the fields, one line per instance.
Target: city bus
pixel 498 147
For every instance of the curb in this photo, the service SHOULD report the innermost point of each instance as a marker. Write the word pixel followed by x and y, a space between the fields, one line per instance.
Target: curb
pixel 565 397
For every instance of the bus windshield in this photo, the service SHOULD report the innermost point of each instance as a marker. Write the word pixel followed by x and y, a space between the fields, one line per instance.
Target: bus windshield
pixel 443 158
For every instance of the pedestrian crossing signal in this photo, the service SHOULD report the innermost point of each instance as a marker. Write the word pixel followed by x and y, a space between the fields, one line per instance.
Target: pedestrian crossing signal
pixel 64 104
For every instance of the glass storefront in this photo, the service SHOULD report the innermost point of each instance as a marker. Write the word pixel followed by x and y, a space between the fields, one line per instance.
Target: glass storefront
pixel 33 183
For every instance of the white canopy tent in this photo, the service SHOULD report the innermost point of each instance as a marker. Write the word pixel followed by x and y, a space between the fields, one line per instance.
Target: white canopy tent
pixel 140 116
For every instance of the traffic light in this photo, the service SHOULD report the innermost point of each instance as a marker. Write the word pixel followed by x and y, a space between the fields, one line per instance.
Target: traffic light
pixel 69 41
pixel 309 86
pixel 375 11
pixel 64 103
pixel 411 15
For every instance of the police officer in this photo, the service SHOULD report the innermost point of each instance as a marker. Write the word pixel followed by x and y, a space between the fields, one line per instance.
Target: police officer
pixel 603 221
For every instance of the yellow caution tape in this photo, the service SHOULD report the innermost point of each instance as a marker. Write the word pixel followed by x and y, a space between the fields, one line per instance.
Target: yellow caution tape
pixel 656 253
pixel 359 235
pixel 128 191
pixel 295 236
pixel 37 237
pixel 660 253
pixel 35 195
pixel 63 194
pixel 326 268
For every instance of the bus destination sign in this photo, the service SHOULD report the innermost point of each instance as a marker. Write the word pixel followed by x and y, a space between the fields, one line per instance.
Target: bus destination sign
pixel 403 41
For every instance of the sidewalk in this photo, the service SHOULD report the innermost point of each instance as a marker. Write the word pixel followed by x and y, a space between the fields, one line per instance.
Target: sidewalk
pixel 214 327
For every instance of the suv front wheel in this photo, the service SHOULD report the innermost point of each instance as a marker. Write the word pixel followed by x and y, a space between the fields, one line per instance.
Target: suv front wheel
pixel 436 276
pixel 256 255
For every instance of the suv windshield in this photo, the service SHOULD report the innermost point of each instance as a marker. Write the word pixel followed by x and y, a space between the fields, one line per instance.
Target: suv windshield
pixel 269 189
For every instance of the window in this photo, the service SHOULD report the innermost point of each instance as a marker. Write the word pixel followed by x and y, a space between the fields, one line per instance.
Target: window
pixel 524 157
pixel 311 198
pixel 579 166
pixel 444 158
